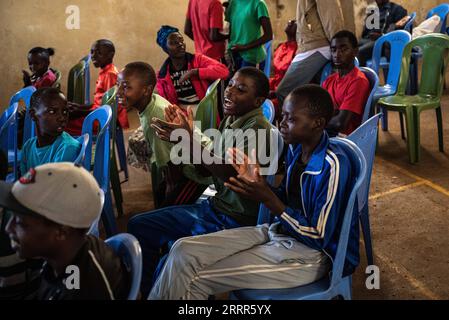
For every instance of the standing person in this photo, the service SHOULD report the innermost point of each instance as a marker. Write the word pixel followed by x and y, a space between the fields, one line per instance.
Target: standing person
pixel 246 19
pixel 390 18
pixel 204 23
pixel 317 22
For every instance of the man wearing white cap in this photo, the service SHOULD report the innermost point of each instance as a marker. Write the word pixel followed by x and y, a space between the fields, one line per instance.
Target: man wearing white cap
pixel 52 207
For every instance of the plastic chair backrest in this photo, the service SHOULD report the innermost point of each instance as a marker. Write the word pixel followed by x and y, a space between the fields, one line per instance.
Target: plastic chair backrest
pixel 268 110
pixel 8 135
pixel 442 11
pixel 374 84
pixel 87 59
pixel 365 137
pixel 25 95
pixel 102 145
pixel 267 67
pixel 409 25
pixel 397 40
pixel 57 83
pixel 128 249
pixel 207 110
pixel 435 51
pixel 328 70
pixel 84 140
pixel 264 214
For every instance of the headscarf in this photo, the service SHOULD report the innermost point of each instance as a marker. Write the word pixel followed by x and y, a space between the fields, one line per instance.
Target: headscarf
pixel 163 34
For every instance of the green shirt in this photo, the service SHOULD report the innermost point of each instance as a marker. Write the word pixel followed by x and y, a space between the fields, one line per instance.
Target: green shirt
pixel 244 17
pixel 244 211
pixel 161 149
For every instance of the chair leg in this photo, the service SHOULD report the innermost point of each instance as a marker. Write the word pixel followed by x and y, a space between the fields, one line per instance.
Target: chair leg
pixel 440 129
pixel 401 121
pixel 120 142
pixel 364 221
pixel 384 119
pixel 108 217
pixel 412 133
pixel 116 186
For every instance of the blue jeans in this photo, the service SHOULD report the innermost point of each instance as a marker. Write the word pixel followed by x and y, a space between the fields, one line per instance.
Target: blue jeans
pixel 157 228
pixel 239 62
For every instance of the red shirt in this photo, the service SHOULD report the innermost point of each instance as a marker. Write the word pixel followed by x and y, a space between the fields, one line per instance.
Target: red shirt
pixel 46 80
pixel 107 78
pixel 349 92
pixel 282 58
pixel 205 15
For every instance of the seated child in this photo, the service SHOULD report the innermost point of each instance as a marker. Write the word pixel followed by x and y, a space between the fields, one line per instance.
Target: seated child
pixel 52 208
pixel 348 87
pixel 243 98
pixel 102 53
pixel 308 209
pixel 41 75
pixel 136 83
pixel 282 58
pixel 48 109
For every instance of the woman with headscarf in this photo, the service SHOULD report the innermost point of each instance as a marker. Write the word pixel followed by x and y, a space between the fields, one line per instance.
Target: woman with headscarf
pixel 184 77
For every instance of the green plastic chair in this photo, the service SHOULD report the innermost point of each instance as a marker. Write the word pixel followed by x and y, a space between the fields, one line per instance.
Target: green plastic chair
pixel 207 110
pixel 435 58
pixel 57 83
pixel 109 98
pixel 76 84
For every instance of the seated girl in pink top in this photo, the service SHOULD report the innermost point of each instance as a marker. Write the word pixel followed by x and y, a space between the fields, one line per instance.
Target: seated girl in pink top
pixel 41 75
pixel 184 78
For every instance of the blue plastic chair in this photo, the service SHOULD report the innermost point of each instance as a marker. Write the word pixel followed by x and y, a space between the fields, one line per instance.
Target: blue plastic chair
pixel 127 247
pixel 268 110
pixel 365 137
pixel 397 40
pixel 328 70
pixel 8 139
pixel 335 284
pixel 442 11
pixel 267 66
pixel 374 84
pixel 103 115
pixel 25 95
pixel 84 140
pixel 409 25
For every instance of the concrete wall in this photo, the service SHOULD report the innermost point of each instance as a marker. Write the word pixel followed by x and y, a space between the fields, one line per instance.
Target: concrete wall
pixel 131 25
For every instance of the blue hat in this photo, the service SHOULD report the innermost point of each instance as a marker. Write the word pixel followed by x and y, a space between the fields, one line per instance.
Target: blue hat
pixel 163 34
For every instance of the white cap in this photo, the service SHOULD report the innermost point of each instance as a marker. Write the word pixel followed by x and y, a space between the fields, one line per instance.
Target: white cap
pixel 61 192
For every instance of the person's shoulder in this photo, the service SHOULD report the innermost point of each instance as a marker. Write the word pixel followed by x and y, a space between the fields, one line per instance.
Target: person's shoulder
pixel 360 78
pixel 337 156
pixel 69 141
pixel 31 143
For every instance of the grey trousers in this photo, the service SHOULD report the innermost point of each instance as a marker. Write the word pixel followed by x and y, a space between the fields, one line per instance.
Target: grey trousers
pixel 300 73
pixel 242 258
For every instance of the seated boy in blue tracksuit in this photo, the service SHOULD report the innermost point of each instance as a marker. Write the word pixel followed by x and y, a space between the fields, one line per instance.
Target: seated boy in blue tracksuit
pixel 308 209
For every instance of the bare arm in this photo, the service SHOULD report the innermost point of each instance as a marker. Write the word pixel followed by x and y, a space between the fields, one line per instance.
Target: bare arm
pixel 340 121
pixel 188 28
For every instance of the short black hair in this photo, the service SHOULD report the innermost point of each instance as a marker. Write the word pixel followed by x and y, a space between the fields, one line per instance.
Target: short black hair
pixel 107 44
pixel 317 100
pixel 348 35
pixel 144 71
pixel 46 53
pixel 40 94
pixel 261 80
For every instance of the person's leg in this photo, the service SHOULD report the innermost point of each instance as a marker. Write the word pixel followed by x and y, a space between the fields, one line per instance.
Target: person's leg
pixel 155 229
pixel 300 73
pixel 366 47
pixel 237 259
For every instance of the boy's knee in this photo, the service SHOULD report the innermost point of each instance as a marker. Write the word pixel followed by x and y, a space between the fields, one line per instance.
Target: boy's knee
pixel 183 251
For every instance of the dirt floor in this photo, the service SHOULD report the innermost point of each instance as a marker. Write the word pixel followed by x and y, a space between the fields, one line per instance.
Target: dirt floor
pixel 409 210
